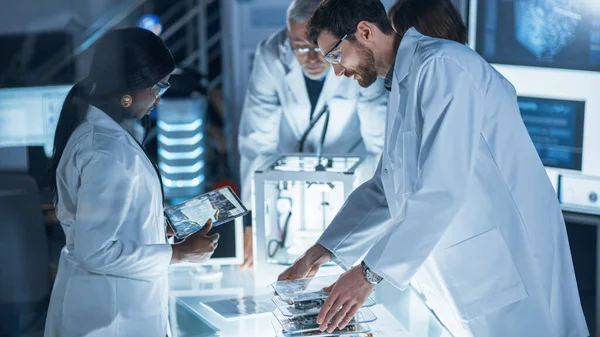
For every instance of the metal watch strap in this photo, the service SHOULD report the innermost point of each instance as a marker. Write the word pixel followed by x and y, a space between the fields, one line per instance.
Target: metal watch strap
pixel 369 275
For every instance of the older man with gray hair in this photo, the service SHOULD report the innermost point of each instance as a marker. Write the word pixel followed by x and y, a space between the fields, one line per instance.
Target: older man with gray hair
pixel 290 84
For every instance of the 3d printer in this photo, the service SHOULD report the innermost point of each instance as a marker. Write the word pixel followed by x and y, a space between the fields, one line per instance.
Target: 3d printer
pixel 295 197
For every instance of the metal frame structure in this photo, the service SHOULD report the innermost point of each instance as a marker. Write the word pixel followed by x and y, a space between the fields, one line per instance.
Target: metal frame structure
pixel 196 18
pixel 267 174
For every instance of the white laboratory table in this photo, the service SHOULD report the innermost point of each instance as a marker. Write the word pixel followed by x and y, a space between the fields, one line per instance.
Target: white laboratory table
pixel 399 313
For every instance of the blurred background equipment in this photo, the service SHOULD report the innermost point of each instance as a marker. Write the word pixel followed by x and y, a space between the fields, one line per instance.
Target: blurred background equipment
pixel 28 116
pixel 26 282
pixel 181 146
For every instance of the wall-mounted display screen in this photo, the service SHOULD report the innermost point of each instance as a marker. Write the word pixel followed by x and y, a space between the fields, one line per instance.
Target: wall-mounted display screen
pixel 556 128
pixel 541 33
pixel 28 116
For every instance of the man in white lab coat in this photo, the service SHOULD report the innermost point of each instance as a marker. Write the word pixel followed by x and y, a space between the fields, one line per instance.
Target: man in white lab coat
pixel 290 85
pixel 460 205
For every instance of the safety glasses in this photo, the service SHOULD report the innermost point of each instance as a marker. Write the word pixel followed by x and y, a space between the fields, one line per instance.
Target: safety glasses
pixel 160 88
pixel 334 55
pixel 306 50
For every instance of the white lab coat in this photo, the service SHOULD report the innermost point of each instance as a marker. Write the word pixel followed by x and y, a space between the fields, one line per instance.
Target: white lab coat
pixel 113 271
pixel 461 204
pixel 277 110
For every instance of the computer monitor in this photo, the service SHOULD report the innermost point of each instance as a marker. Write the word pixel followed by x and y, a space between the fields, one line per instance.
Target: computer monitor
pixel 563 74
pixel 28 116
pixel 541 33
pixel 556 128
pixel 230 250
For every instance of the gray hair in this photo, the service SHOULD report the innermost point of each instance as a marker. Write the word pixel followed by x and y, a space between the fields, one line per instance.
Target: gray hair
pixel 301 10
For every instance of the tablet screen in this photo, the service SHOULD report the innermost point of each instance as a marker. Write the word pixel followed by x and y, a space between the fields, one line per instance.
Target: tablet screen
pixel 220 205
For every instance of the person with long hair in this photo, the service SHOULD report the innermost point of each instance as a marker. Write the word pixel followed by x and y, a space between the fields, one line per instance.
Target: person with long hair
pixel 433 18
pixel 113 270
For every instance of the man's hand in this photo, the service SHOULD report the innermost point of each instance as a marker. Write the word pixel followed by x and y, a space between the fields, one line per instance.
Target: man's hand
pixel 307 265
pixel 347 294
pixel 248 253
pixel 197 247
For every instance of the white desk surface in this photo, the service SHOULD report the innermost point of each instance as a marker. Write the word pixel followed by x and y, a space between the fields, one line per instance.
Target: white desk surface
pixel 399 313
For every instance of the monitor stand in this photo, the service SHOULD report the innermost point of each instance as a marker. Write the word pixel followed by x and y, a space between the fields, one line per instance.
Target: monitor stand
pixel 206 273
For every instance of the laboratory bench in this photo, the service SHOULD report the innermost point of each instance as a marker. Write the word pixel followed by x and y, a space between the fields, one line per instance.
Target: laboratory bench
pixel 192 289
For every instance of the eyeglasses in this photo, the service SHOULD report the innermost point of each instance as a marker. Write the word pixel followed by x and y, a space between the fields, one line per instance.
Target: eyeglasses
pixel 160 88
pixel 306 50
pixel 337 58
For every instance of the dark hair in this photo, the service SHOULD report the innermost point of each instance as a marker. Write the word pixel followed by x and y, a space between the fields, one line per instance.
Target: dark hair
pixel 341 16
pixel 434 18
pixel 125 60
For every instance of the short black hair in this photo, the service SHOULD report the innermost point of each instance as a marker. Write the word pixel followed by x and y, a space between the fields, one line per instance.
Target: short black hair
pixel 434 18
pixel 341 16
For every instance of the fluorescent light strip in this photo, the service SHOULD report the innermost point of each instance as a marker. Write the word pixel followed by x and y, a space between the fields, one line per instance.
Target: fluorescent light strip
pixel 180 141
pixel 193 126
pixel 181 155
pixel 181 169
pixel 183 183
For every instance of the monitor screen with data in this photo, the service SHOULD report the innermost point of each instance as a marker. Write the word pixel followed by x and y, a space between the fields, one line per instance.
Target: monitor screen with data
pixel 28 116
pixel 541 33
pixel 556 128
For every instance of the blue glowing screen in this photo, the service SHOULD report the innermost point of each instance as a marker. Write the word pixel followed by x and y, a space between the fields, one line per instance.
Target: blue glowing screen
pixel 556 128
pixel 542 33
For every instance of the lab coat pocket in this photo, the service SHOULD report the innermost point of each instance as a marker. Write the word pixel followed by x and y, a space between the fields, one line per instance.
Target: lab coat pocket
pixel 89 303
pixel 481 275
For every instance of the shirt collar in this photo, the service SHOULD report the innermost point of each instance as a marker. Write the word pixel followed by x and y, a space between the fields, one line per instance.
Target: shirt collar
pixel 387 83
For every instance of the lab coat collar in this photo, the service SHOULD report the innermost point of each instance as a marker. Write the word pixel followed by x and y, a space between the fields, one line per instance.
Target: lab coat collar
pixel 295 75
pixel 99 117
pixel 330 89
pixel 406 51
pixel 297 86
pixel 296 83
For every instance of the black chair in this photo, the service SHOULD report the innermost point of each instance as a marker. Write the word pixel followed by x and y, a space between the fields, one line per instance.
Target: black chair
pixel 25 282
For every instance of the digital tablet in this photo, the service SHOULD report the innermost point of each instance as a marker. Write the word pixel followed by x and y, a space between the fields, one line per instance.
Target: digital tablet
pixel 221 205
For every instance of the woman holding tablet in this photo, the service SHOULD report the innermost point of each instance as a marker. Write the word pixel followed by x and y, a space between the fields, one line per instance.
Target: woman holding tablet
pixel 112 275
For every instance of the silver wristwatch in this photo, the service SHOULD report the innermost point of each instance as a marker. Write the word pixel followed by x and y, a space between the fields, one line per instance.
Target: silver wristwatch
pixel 370 276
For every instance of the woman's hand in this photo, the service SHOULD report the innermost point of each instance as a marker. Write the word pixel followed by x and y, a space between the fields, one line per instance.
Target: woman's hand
pixel 248 249
pixel 197 247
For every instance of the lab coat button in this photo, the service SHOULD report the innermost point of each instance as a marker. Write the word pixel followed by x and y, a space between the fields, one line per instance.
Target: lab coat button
pixel 385 171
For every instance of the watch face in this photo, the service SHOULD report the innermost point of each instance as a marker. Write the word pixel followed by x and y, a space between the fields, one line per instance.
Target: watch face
pixel 372 278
